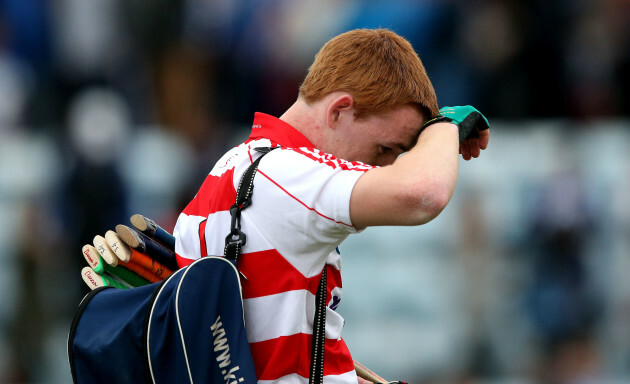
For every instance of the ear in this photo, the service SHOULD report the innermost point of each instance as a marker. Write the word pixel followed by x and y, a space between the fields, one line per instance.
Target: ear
pixel 340 108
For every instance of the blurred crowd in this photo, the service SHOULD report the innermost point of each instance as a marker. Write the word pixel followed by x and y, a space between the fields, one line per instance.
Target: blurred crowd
pixel 194 64
pixel 115 107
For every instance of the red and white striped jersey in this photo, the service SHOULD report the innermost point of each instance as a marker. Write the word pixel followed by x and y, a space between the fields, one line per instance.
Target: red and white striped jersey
pixel 300 213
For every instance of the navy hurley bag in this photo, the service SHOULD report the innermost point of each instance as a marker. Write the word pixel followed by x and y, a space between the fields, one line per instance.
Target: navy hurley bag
pixel 186 329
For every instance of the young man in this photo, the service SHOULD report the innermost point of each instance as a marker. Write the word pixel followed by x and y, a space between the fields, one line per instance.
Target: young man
pixel 365 101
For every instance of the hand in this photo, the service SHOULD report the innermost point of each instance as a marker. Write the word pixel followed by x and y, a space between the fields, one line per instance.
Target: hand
pixel 474 132
pixel 469 121
pixel 472 147
pixel 363 381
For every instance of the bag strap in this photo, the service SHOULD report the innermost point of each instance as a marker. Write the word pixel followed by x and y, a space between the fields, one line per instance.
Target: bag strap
pixel 319 333
pixel 236 240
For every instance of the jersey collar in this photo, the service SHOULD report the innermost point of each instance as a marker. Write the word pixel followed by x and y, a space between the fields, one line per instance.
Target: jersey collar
pixel 278 131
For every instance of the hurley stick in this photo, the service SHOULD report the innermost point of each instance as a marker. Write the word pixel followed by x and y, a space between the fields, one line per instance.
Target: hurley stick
pixel 364 373
pixel 154 231
pixel 96 262
pixel 130 258
pixel 142 272
pixel 119 248
pixel 94 280
pixel 105 251
pixel 144 244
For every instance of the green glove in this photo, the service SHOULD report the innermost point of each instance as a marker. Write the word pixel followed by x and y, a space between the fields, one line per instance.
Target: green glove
pixel 469 121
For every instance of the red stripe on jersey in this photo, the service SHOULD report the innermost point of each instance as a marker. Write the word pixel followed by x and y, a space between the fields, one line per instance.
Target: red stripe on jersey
pixel 332 161
pixel 333 279
pixel 182 261
pixel 273 362
pixel 202 238
pixel 216 194
pixel 269 273
pixel 301 202
pixel 249 153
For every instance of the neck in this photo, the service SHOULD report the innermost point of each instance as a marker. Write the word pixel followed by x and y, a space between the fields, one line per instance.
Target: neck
pixel 305 119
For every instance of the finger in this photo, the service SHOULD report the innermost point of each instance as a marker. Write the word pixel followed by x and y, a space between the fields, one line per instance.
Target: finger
pixel 484 138
pixel 466 150
pixel 470 148
pixel 475 151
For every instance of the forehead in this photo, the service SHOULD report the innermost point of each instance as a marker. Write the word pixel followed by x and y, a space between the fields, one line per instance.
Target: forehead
pixel 403 124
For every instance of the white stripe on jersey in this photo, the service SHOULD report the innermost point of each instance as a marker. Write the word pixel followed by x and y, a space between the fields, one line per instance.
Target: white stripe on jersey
pixel 296 318
pixel 186 245
pixel 348 377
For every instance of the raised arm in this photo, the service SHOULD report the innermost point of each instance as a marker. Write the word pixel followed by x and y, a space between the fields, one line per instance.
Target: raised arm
pixel 419 184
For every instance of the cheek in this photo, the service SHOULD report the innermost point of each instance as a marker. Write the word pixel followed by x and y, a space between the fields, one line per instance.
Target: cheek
pixel 361 148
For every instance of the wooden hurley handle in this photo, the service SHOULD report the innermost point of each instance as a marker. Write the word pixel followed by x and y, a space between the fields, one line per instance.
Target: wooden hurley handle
pixel 364 373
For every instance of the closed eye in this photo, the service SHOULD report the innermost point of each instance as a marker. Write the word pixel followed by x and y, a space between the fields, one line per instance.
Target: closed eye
pixel 383 149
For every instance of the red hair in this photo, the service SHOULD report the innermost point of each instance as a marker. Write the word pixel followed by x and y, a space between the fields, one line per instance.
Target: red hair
pixel 379 68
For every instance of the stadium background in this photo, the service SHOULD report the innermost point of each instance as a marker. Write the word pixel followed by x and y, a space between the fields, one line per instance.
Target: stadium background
pixel 112 107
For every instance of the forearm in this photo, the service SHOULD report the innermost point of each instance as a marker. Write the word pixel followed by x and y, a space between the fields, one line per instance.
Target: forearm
pixel 431 167
pixel 415 188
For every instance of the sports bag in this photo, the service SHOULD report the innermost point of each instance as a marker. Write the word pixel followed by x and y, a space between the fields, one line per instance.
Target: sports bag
pixel 186 329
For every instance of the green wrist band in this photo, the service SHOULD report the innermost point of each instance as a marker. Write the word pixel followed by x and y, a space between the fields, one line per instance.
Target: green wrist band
pixel 469 121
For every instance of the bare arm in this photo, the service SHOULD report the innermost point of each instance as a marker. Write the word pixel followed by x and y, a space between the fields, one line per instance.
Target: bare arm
pixel 415 188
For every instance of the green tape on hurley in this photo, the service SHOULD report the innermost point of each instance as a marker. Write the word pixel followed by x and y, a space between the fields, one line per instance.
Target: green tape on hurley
pixel 110 282
pixel 98 264
pixel 94 280
pixel 126 275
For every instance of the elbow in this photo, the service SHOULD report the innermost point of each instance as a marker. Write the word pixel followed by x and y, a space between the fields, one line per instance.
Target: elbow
pixel 427 204
pixel 437 202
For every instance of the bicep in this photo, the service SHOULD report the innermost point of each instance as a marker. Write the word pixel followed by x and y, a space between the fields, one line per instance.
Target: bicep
pixel 378 198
